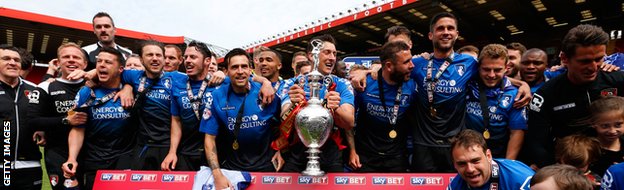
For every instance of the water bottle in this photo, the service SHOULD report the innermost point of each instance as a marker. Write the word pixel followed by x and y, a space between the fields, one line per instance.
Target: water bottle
pixel 71 183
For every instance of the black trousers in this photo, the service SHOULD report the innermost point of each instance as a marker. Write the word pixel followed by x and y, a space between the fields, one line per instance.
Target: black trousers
pixel 54 159
pixel 149 157
pixel 90 168
pixel 432 160
pixel 383 164
pixel 24 179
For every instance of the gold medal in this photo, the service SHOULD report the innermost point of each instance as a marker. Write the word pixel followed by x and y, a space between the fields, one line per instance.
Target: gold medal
pixel 392 134
pixel 71 112
pixel 235 145
pixel 486 134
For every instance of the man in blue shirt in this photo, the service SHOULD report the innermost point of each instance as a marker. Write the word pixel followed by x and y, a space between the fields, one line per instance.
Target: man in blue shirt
pixel 491 97
pixel 186 151
pixel 244 126
pixel 339 99
pixel 106 139
pixel 477 170
pixel 381 129
pixel 152 108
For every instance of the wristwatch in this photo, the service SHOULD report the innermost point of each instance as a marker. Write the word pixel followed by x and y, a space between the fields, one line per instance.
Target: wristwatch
pixel 65 121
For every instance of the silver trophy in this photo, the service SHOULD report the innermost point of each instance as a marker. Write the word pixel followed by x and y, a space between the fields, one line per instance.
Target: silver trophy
pixel 314 122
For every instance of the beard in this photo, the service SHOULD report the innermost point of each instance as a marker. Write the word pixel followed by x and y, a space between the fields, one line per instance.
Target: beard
pixel 398 77
pixel 437 45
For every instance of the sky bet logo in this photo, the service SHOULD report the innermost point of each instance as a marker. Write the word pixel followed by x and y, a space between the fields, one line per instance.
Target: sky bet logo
pixel 350 180
pixel 426 181
pixel 175 178
pixel 276 180
pixel 388 181
pixel 113 177
pixel 312 180
pixel 143 177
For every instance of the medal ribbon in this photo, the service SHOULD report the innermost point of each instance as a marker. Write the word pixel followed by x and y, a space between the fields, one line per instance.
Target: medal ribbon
pixel 432 81
pixel 196 100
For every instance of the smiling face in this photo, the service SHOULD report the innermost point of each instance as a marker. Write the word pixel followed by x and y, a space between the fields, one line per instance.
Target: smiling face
pixel 444 33
pixel 583 65
pixel 473 164
pixel 327 58
pixel 400 70
pixel 532 67
pixel 269 65
pixel 104 29
pixel 491 71
pixel 609 125
pixel 152 58
pixel 238 70
pixel 70 59
pixel 10 65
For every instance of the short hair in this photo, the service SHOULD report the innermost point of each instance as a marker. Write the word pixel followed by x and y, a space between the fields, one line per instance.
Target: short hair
pixel 607 104
pixel 134 55
pixel 439 16
pixel 103 14
pixel 493 51
pixel 115 52
pixel 277 54
pixel 257 50
pixel 202 48
pixel 9 47
pixel 398 30
pixel 357 67
pixel 299 53
pixel 389 51
pixel 74 45
pixel 153 43
pixel 517 46
pixel 301 64
pixel 534 50
pixel 27 58
pixel 468 138
pixel 235 52
pixel 469 48
pixel 565 176
pixel 324 38
pixel 577 150
pixel 583 35
pixel 177 49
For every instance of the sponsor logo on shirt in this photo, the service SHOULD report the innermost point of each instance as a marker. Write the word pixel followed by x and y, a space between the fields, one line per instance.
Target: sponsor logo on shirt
pixel 312 180
pixel 113 177
pixel 350 180
pixel 536 103
pixel 276 179
pixel 33 97
pixel 461 69
pixel 388 181
pixel 426 181
pixel 143 177
pixel 175 178
pixel 505 101
pixel 54 93
pixel 564 106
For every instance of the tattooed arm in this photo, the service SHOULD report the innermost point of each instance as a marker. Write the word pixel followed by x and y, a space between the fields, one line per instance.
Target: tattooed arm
pixel 220 181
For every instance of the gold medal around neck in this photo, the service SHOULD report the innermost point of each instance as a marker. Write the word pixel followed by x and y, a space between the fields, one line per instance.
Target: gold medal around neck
pixel 486 134
pixel 392 134
pixel 71 112
pixel 433 111
pixel 235 145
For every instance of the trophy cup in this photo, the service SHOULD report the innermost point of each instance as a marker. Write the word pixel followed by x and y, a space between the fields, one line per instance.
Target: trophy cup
pixel 314 122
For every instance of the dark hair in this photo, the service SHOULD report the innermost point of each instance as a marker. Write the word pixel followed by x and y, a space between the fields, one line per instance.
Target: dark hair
pixel 9 47
pixel 583 35
pixel 440 16
pixel 389 51
pixel 277 54
pixel 468 138
pixel 235 52
pixel 565 176
pixel 494 51
pixel 151 42
pixel 398 30
pixel 468 48
pixel 120 57
pixel 516 46
pixel 301 64
pixel 324 38
pixel 103 14
pixel 27 58
pixel 607 104
pixel 202 48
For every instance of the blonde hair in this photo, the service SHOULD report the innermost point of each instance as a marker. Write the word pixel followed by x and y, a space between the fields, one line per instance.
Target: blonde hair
pixel 70 44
